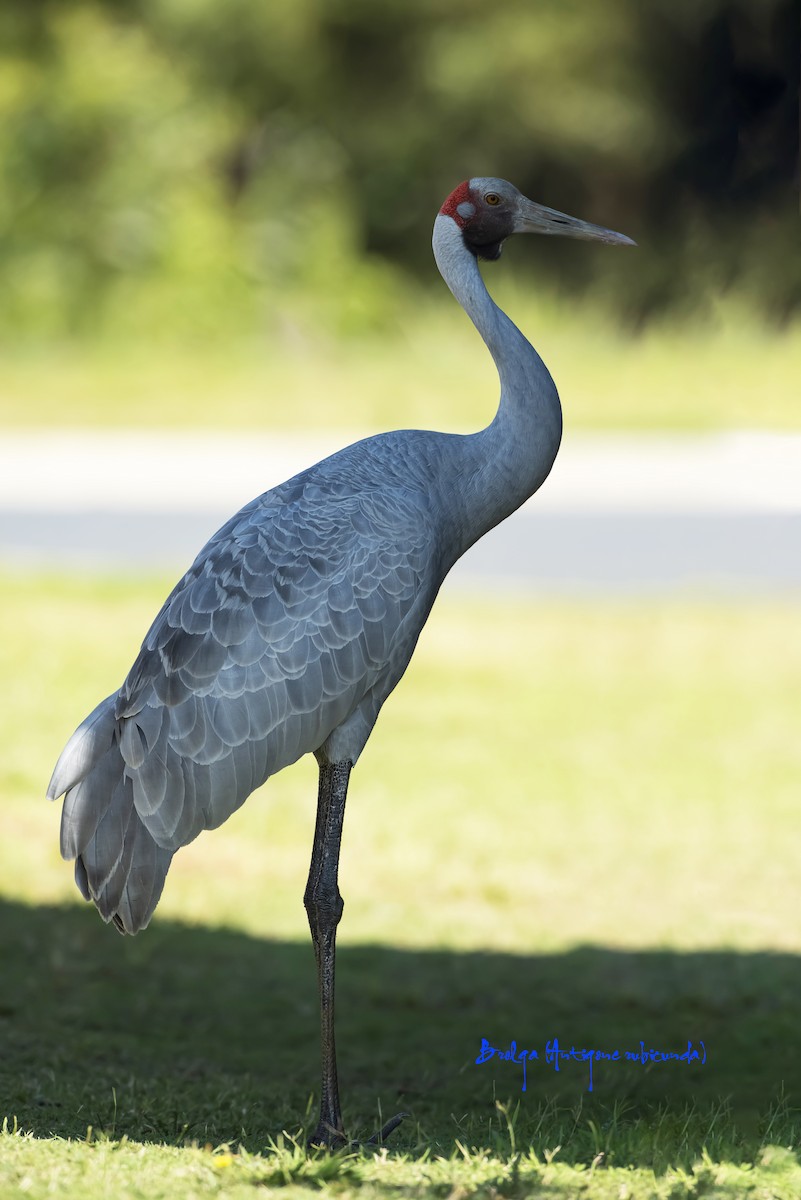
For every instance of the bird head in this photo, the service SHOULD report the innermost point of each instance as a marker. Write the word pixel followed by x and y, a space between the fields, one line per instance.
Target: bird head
pixel 490 210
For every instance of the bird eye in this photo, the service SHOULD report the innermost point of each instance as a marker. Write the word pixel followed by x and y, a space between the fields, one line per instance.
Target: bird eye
pixel 492 198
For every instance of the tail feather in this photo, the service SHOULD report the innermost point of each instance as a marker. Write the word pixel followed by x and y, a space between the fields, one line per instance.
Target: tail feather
pixel 86 805
pixel 103 850
pixel 143 884
pixel 124 868
pixel 92 738
pixel 81 880
pixel 117 863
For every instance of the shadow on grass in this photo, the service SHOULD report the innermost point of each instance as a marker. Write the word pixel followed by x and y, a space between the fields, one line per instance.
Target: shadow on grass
pixel 211 1035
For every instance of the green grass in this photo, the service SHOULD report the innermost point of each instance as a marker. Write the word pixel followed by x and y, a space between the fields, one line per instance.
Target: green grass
pixel 103 1168
pixel 432 372
pixel 573 820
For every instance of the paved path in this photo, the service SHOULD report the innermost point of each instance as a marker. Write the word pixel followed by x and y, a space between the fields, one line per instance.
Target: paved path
pixel 620 513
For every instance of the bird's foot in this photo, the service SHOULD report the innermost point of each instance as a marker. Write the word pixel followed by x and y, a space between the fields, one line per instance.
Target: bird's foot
pixel 326 1137
pixel 383 1133
pixel 329 1137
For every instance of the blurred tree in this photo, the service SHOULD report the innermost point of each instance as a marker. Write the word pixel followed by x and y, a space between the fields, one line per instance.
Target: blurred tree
pixel 726 77
pixel 206 164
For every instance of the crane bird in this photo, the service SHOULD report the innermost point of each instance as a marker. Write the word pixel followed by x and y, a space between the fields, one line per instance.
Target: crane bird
pixel 298 618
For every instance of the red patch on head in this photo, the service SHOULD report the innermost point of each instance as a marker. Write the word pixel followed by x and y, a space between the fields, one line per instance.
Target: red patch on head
pixel 457 197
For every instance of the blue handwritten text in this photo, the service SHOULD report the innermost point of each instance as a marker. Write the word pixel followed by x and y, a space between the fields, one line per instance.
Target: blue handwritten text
pixel 556 1054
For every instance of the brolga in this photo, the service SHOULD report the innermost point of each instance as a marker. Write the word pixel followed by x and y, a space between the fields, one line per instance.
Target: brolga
pixel 298 618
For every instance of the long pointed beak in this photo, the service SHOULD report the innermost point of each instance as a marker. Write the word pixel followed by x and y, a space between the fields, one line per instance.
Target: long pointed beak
pixel 536 218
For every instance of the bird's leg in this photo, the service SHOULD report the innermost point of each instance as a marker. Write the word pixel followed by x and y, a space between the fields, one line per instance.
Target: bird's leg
pixel 324 908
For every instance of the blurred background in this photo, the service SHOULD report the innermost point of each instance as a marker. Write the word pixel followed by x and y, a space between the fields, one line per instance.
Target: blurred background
pixel 215 266
pixel 208 168
pixel 215 216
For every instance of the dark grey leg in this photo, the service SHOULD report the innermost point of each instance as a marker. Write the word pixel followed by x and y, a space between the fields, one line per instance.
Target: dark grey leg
pixel 324 908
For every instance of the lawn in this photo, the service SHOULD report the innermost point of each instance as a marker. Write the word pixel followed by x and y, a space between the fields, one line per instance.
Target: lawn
pixel 573 821
pixel 430 372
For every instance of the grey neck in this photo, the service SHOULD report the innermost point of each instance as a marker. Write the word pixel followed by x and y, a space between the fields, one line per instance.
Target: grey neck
pixel 506 462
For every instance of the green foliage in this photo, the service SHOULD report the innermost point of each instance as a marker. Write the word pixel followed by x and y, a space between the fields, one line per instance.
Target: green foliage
pixel 200 167
pixel 115 205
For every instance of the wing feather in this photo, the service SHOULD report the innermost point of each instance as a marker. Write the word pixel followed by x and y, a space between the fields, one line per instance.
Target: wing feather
pixel 291 622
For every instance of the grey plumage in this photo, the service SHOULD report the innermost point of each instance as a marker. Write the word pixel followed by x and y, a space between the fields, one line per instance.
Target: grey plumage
pixel 299 617
pixel 296 618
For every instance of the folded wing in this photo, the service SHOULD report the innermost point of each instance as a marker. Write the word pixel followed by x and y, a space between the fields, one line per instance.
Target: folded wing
pixel 283 626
